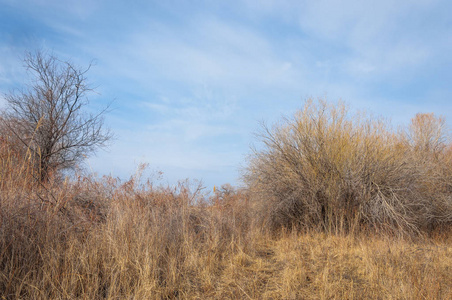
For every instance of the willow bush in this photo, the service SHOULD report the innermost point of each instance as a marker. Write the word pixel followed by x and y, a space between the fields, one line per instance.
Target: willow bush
pixel 328 169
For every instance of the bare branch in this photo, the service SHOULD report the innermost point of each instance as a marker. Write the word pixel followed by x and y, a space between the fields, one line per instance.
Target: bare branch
pixel 49 116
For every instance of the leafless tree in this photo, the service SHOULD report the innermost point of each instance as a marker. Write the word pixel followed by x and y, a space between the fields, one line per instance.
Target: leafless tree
pixel 49 116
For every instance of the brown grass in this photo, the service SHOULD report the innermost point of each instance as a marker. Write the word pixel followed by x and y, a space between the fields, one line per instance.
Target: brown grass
pixel 161 244
pixel 100 238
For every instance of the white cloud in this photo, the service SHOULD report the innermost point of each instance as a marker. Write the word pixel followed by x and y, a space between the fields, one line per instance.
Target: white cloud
pixel 205 51
pixel 376 38
pixel 202 76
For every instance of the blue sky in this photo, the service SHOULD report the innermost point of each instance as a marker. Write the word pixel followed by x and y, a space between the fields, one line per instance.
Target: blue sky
pixel 191 80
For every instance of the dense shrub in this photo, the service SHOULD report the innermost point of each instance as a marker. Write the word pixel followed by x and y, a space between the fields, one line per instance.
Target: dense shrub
pixel 328 169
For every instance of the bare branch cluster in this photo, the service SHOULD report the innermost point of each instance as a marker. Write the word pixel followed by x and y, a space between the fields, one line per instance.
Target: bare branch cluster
pixel 328 169
pixel 48 117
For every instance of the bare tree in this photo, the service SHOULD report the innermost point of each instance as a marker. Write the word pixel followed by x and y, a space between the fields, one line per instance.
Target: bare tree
pixel 48 116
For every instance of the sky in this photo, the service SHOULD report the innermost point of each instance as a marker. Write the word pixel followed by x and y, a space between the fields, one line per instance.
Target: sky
pixel 189 82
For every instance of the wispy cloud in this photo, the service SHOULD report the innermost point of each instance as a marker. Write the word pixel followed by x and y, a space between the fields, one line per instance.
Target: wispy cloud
pixel 191 80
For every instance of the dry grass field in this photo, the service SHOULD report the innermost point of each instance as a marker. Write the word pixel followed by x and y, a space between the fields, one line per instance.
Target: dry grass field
pixel 102 241
pixel 100 238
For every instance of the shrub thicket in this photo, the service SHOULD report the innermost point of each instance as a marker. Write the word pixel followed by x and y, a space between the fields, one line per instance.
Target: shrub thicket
pixel 91 238
pixel 338 172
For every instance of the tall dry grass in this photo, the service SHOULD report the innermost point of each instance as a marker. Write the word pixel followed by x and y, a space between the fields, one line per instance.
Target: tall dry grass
pixel 123 241
pixel 100 238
